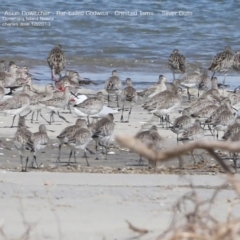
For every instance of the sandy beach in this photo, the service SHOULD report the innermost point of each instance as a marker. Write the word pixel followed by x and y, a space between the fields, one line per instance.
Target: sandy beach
pixel 58 201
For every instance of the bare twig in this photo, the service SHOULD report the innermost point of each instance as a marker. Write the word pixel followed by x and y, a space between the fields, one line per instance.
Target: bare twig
pixel 136 229
pixel 165 155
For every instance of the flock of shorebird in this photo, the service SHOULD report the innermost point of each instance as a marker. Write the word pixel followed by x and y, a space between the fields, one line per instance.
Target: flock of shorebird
pixel 209 108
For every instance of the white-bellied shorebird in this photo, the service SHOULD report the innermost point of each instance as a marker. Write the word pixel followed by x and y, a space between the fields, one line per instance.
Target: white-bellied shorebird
pixel 192 80
pixel 205 82
pixel 17 104
pixel 113 85
pixel 80 140
pixel 37 98
pixel 56 104
pixel 151 91
pixel 181 123
pixel 102 131
pixel 129 94
pixel 92 105
pixel 11 75
pixel 171 103
pixel 68 133
pixel 152 139
pixel 222 62
pixel 56 61
pixel 160 97
pixel 23 141
pixel 177 63
pixel 40 140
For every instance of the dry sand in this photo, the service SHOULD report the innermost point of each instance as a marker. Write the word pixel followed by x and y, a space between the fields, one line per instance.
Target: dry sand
pixel 76 202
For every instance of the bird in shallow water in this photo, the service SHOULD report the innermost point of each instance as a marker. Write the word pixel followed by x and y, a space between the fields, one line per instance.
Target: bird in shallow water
pixel 177 63
pixel 56 61
pixel 222 62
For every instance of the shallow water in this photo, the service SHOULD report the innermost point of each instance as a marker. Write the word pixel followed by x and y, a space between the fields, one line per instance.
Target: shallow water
pixel 137 45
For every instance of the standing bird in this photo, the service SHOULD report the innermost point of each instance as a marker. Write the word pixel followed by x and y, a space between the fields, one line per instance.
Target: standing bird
pixel 151 91
pixel 56 61
pixel 192 80
pixel 102 131
pixel 193 133
pixel 92 105
pixel 177 62
pixel 113 85
pixel 23 142
pixel 80 140
pixel 40 140
pixel 67 134
pixel 152 139
pixel 236 61
pixel 222 62
pixel 129 94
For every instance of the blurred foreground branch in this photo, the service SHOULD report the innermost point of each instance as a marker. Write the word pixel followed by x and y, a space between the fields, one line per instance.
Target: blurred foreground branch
pixel 178 150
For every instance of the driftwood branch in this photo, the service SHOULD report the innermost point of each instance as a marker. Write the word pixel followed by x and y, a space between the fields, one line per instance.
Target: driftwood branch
pixel 178 150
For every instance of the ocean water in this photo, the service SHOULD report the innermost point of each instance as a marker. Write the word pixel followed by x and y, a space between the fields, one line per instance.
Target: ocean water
pixel 134 37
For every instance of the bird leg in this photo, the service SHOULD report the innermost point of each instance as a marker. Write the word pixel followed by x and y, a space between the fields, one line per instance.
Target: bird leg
pixel 26 164
pixel 59 153
pixel 224 78
pixel 140 161
pixel 63 118
pixel 117 100
pixel 108 99
pixel 35 158
pixel 213 75
pixel 194 160
pixel 91 152
pixel 122 112
pixel 70 155
pixel 38 111
pixel 129 113
pixel 13 121
pixel 45 119
pixel 74 155
pixel 32 116
pixel 85 155
pixel 235 161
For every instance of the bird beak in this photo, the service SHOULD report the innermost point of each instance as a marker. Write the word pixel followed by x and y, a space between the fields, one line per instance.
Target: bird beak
pixel 74 95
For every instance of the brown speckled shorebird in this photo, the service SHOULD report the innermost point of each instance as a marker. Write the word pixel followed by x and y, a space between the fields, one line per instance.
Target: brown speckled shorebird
pixel 222 62
pixel 113 85
pixel 236 61
pixel 152 139
pixel 40 140
pixel 68 133
pixel 23 142
pixel 177 62
pixel 129 94
pixel 102 131
pixel 56 61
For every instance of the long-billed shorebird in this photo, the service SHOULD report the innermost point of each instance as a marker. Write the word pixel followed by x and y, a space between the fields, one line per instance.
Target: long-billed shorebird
pixel 17 104
pixel 181 123
pixel 151 91
pixel 192 80
pixel 56 104
pixel 177 62
pixel 129 94
pixel 102 131
pixel 68 133
pixel 80 140
pixel 56 61
pixel 92 105
pixel 222 62
pixel 23 142
pixel 170 104
pixel 113 85
pixel 152 139
pixel 40 140
pixel 37 98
